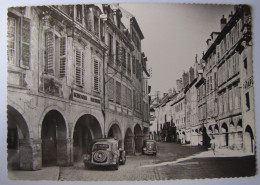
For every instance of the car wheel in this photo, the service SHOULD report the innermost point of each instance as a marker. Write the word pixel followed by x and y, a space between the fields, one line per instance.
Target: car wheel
pixel 88 166
pixel 124 160
pixel 115 167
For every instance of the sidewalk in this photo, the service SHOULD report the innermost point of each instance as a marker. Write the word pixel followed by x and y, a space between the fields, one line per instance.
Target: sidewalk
pixel 223 153
pixel 46 173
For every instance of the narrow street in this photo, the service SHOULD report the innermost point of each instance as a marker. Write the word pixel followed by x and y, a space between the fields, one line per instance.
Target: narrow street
pixel 173 161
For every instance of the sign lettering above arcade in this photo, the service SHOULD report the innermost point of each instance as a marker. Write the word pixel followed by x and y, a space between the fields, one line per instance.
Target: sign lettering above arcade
pixel 81 97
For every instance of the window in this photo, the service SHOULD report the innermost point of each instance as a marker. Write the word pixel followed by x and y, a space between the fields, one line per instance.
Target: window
pixel 133 65
pixel 245 64
pixel 96 26
pixel 118 92
pixel 123 60
pixel 18 41
pixel 79 13
pixel 124 95
pixel 247 101
pixel 55 54
pixel 79 67
pixel 110 89
pixel 129 98
pixel 117 54
pixel 128 64
pixel 11 40
pixel 96 76
pixel 102 35
pixel 110 44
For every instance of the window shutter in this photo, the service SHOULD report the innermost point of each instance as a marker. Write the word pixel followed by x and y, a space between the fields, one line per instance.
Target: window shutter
pixel 11 40
pixel 96 75
pixel 110 89
pixel 63 55
pixel 82 67
pixel 118 92
pixel 49 39
pixel 78 67
pixel 25 43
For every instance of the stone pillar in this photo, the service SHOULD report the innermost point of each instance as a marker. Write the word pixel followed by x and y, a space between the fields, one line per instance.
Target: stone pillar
pixel 30 154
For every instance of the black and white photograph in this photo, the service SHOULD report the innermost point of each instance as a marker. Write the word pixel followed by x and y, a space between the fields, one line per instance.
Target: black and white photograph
pixel 129 91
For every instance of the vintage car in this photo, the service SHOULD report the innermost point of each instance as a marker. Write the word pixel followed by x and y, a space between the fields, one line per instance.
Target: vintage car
pixel 104 152
pixel 149 147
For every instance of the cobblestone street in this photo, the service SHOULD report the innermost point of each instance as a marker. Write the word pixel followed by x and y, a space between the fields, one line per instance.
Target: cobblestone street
pixel 173 161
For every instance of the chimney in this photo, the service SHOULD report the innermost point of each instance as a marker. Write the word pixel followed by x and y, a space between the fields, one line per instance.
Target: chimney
pixel 192 75
pixel 179 84
pixel 208 42
pixel 230 15
pixel 170 91
pixel 173 91
pixel 223 22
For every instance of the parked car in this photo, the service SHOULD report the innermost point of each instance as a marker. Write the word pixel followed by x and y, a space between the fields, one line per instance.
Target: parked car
pixel 149 147
pixel 104 152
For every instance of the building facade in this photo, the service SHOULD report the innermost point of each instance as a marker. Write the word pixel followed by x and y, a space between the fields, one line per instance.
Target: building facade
pixel 62 61
pixel 223 86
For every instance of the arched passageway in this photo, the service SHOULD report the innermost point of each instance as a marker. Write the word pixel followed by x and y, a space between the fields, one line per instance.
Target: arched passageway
pixel 87 128
pixel 54 143
pixel 18 133
pixel 129 142
pixel 138 138
pixel 249 140
pixel 115 132
pixel 224 135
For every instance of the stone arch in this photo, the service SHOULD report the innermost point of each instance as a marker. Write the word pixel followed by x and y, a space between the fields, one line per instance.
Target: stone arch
pixel 138 138
pixel 85 129
pixel 129 142
pixel 210 130
pixel 46 111
pixel 216 129
pixel 18 131
pixel 224 135
pixel 54 139
pixel 115 132
pixel 249 144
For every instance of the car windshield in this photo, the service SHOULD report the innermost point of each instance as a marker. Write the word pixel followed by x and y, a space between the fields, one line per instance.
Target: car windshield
pixel 149 142
pixel 100 146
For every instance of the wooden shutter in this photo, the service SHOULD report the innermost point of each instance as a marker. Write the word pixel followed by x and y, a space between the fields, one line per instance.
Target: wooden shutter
pixel 110 89
pixel 124 95
pixel 63 56
pixel 96 69
pixel 25 43
pixel 118 92
pixel 78 67
pixel 49 47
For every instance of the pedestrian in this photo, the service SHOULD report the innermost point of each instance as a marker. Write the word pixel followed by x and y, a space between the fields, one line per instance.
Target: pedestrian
pixel 212 142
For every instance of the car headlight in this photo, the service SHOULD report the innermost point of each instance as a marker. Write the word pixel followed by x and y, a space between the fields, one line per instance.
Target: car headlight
pixel 145 149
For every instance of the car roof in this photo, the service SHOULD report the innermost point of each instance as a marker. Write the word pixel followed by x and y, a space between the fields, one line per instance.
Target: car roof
pixel 106 140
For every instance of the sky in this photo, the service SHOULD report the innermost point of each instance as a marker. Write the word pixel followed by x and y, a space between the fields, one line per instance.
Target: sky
pixel 173 35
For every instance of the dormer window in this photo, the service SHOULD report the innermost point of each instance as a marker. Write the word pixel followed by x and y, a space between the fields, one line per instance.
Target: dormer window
pixel 79 14
pixel 96 26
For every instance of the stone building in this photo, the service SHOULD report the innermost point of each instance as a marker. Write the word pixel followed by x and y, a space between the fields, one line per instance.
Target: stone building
pixel 228 61
pixel 59 83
